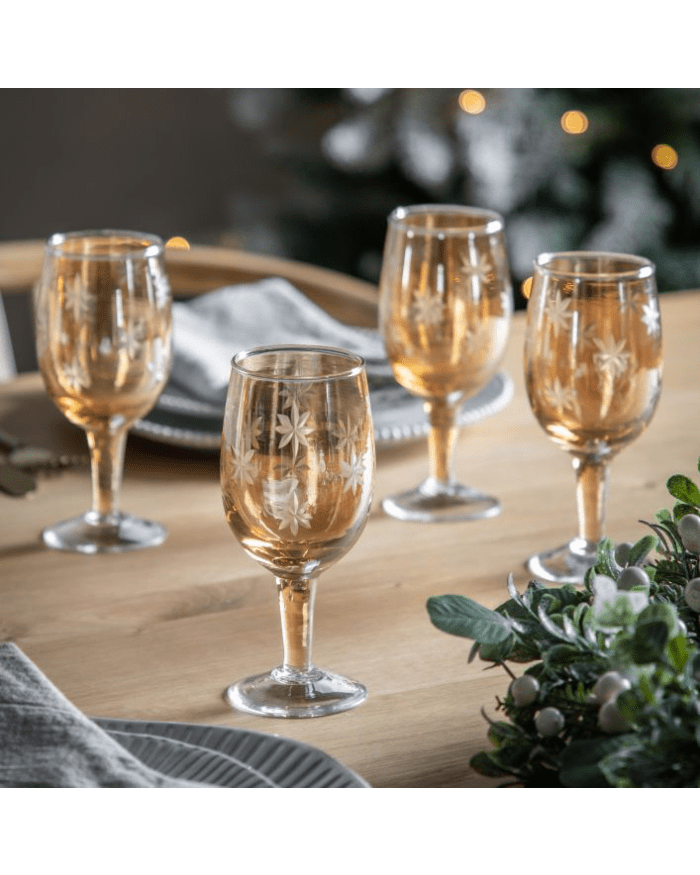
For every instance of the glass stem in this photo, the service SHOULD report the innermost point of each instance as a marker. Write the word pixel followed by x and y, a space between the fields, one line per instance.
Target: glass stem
pixel 296 602
pixel 591 498
pixel 107 464
pixel 442 415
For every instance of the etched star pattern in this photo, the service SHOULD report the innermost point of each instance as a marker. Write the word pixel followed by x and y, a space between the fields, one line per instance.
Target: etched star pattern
pixel 479 269
pixel 650 317
pixel 611 356
pixel 353 472
pixel 557 313
pixel 293 394
pixel 428 309
pixel 294 429
pixel 74 377
pixel 291 513
pixel 345 434
pixel 240 468
pixel 255 431
pixel 77 300
pixel 559 396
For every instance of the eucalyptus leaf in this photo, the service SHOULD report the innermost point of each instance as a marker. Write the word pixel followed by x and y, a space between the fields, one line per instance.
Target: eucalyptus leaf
pixel 579 761
pixel 484 764
pixel 640 550
pixel 459 615
pixel 683 488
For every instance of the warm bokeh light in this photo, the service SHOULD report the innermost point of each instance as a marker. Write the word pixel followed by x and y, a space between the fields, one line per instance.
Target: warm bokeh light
pixel 664 156
pixel 472 102
pixel 574 122
pixel 526 287
pixel 177 243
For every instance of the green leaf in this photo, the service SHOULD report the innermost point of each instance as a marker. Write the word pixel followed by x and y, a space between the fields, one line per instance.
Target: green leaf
pixel 459 615
pixel 649 641
pixel 500 733
pixel 484 765
pixel 663 515
pixel 579 761
pixel 639 551
pixel 605 558
pixel 678 652
pixel 680 509
pixel 683 488
pixel 498 652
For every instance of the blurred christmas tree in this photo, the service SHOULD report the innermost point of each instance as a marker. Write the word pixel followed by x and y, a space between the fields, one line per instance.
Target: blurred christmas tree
pixel 613 169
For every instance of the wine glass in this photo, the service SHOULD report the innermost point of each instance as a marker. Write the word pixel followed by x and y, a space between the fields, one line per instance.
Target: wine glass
pixel 102 311
pixel 593 363
pixel 297 468
pixel 445 304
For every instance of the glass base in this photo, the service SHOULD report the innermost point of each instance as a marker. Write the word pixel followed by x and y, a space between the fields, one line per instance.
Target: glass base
pixel 566 564
pixel 286 693
pixel 93 533
pixel 434 502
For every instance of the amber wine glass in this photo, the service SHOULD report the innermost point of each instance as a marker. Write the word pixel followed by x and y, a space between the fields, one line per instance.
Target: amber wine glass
pixel 102 311
pixel 297 469
pixel 445 304
pixel 593 363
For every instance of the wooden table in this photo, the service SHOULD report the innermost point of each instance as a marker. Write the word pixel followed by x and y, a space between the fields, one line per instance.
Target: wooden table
pixel 158 634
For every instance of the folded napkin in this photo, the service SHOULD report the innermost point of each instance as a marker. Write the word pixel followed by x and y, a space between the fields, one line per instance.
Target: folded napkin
pixel 210 329
pixel 46 742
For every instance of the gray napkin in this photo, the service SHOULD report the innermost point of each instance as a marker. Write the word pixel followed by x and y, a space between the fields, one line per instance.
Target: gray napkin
pixel 46 742
pixel 210 329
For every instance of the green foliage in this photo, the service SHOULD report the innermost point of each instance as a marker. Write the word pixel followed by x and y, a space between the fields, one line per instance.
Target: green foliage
pixel 569 637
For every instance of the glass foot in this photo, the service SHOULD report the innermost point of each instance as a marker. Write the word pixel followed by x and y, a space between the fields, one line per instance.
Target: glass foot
pixel 93 533
pixel 566 564
pixel 434 502
pixel 286 693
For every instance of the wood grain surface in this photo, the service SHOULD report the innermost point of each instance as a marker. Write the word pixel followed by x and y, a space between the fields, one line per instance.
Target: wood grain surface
pixel 158 634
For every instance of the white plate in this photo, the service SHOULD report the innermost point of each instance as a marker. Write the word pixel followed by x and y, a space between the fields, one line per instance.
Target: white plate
pixel 398 416
pixel 222 756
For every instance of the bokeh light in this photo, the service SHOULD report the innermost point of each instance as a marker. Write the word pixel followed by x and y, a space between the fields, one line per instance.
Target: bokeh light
pixel 177 243
pixel 526 287
pixel 574 122
pixel 664 156
pixel 472 101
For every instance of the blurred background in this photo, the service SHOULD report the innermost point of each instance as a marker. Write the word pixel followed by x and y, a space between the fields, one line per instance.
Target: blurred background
pixel 311 174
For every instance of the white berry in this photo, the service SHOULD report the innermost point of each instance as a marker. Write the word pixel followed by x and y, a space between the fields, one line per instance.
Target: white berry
pixel 632 576
pixel 689 530
pixel 609 685
pixel 524 690
pixel 692 593
pixel 622 552
pixel 610 719
pixel 549 721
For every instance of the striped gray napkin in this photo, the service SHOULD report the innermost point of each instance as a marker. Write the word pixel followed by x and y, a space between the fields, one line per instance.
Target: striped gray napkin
pixel 211 328
pixel 46 742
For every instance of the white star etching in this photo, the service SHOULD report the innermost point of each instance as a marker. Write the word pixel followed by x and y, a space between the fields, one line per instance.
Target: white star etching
pixel 611 356
pixel 77 299
pixel 559 396
pixel 650 317
pixel 428 309
pixel 240 468
pixel 353 472
pixel 480 268
pixel 255 431
pixel 293 428
pixel 345 433
pixel 557 312
pixel 291 513
pixel 74 377
pixel 294 394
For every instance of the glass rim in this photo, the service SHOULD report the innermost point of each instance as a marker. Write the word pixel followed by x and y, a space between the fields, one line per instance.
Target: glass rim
pixel 638 267
pixel 155 245
pixel 356 367
pixel 492 221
